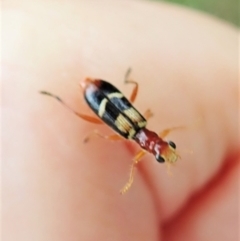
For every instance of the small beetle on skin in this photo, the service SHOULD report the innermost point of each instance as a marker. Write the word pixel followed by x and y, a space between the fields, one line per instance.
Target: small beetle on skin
pixel 113 108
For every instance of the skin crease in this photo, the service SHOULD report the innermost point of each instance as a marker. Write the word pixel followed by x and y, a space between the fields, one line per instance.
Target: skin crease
pixel 55 187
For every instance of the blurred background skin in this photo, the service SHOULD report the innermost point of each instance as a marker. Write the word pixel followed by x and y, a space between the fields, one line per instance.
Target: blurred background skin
pixel 56 188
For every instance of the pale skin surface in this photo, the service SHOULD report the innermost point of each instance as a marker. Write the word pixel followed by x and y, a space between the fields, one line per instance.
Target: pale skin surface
pixel 57 188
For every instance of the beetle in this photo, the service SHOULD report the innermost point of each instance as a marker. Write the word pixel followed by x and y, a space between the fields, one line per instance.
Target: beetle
pixel 114 109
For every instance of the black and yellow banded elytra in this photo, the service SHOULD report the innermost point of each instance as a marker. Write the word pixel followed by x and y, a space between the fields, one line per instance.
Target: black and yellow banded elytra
pixel 113 108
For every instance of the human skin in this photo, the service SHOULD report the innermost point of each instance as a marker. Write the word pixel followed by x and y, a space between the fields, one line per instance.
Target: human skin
pixel 55 187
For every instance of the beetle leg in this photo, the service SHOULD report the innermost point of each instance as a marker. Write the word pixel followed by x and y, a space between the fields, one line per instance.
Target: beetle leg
pixel 165 132
pixel 135 89
pixel 113 137
pixel 82 116
pixel 147 114
pixel 136 159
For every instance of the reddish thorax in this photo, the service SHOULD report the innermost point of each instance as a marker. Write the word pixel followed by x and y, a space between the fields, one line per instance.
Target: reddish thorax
pixel 150 141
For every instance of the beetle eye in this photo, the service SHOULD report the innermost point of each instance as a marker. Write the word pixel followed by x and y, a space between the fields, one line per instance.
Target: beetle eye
pixel 172 144
pixel 159 158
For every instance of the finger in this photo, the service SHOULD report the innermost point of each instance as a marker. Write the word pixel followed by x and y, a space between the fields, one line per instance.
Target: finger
pixel 74 185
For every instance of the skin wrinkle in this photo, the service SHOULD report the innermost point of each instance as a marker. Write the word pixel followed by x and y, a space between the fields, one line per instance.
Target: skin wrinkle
pixel 200 196
pixel 220 176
